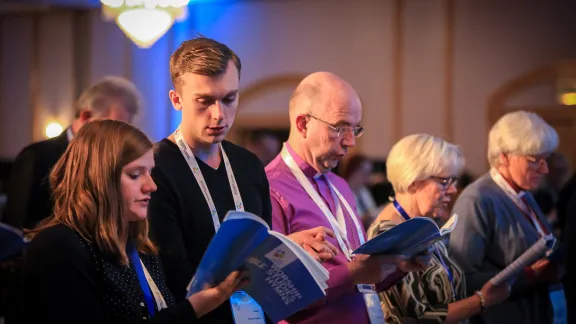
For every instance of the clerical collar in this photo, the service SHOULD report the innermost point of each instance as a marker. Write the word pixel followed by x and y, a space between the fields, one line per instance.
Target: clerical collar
pixel 306 168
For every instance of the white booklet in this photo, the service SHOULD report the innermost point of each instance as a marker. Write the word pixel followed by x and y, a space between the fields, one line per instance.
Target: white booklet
pixel 536 251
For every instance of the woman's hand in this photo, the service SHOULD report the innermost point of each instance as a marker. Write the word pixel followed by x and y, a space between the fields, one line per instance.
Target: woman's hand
pixel 494 295
pixel 208 299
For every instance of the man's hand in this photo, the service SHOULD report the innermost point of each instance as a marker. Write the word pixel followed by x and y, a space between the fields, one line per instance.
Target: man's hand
pixel 548 272
pixel 314 242
pixel 370 269
pixel 419 262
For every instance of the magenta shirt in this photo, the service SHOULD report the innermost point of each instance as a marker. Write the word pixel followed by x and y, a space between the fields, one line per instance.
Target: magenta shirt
pixel 292 211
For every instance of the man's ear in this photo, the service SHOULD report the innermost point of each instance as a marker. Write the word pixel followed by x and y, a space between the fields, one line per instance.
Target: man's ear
pixel 85 116
pixel 176 99
pixel 504 159
pixel 302 125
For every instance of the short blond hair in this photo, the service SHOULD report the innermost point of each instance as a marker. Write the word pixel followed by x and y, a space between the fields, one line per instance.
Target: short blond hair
pixel 420 156
pixel 520 133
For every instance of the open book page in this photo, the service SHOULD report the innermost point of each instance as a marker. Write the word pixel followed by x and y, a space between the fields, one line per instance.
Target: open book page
pixel 449 226
pixel 536 251
pixel 239 234
pixel 446 229
pixel 401 237
pixel 236 214
pixel 409 238
pixel 280 280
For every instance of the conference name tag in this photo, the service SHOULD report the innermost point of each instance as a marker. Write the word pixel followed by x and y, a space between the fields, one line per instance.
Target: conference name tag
pixel 245 309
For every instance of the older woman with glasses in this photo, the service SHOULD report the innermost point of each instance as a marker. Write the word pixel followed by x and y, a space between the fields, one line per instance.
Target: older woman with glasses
pixel 499 220
pixel 424 171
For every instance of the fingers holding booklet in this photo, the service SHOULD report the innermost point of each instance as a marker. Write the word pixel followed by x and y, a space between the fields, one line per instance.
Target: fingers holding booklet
pixel 283 277
pixel 495 294
pixel 528 259
pixel 546 271
pixel 315 242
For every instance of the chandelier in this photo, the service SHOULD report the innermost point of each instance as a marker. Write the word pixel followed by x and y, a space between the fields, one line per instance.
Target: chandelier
pixel 145 21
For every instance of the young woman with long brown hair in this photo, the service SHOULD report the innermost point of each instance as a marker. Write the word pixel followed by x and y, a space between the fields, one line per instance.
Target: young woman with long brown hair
pixel 92 261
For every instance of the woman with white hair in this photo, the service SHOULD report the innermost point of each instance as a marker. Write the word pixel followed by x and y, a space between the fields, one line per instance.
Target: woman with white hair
pixel 499 219
pixel 424 171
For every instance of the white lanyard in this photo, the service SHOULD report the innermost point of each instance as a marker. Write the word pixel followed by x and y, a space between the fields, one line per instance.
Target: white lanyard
pixel 517 199
pixel 248 311
pixel 160 302
pixel 368 292
pixel 193 164
pixel 338 231
pixel 69 134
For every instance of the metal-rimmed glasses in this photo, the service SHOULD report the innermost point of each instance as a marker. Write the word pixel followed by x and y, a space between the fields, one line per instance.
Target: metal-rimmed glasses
pixel 357 131
pixel 446 182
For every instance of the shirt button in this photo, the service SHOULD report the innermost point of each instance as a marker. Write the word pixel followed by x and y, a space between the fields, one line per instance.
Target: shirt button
pixel 142 304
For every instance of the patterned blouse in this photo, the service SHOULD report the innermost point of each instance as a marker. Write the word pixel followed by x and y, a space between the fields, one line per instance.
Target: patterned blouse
pixel 421 297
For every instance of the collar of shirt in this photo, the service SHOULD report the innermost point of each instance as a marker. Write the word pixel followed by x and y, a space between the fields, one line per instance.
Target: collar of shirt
pixel 308 170
pixel 511 185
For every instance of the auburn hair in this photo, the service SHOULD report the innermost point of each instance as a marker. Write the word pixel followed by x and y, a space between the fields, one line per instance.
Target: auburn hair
pixel 86 188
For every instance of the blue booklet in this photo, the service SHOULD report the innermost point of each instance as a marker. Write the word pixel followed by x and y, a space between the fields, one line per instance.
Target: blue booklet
pixel 284 278
pixel 12 242
pixel 408 238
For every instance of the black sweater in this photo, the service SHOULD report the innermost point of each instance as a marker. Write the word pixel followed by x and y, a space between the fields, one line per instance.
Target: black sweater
pixel 180 220
pixel 68 280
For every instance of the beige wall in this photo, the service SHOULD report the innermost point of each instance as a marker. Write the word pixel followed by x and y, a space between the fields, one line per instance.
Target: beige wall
pixel 419 66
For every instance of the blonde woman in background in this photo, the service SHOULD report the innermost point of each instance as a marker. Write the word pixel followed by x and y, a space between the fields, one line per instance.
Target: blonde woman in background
pixel 424 171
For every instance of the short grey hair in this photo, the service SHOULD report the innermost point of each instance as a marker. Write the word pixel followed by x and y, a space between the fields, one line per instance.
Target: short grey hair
pixel 108 91
pixel 520 133
pixel 421 156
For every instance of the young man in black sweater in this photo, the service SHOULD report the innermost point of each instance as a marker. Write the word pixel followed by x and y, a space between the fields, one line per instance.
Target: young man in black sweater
pixel 200 176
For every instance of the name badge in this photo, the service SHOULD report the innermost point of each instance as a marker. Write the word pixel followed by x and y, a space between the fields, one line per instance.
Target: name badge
pixel 245 309
pixel 367 289
pixel 372 301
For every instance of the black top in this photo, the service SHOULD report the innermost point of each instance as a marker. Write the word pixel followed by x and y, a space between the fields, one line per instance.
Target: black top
pixel 180 220
pixel 68 280
pixel 29 195
pixel 570 250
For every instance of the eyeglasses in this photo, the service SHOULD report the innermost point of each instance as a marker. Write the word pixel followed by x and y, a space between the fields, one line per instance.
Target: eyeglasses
pixel 357 131
pixel 446 182
pixel 537 160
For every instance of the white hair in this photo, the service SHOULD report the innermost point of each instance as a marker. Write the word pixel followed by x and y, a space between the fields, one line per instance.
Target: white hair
pixel 420 156
pixel 108 91
pixel 520 133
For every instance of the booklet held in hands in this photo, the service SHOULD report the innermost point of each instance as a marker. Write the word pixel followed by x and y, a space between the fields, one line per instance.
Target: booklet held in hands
pixel 536 251
pixel 284 278
pixel 408 238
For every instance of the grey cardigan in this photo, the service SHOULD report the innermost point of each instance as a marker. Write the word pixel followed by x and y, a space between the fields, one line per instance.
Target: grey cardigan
pixel 491 233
